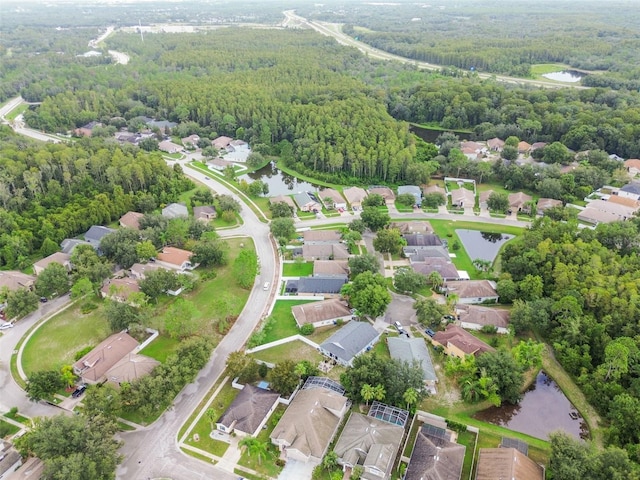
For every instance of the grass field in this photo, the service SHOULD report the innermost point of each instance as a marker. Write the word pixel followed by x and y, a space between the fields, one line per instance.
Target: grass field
pixel 8 428
pixel 295 351
pixel 282 323
pixel 297 269
pixel 57 341
pixel 161 348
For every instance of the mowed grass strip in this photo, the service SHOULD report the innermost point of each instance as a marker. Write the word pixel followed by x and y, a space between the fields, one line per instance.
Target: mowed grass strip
pixel 282 324
pixel 296 269
pixel 295 351
pixel 161 348
pixel 56 342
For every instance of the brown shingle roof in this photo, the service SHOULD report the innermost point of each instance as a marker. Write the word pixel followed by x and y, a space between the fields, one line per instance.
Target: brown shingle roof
pixel 508 463
pixel 626 201
pixel 285 199
pixel 205 212
pixel 174 256
pixel 547 203
pixel 337 251
pixel 355 195
pixel 471 289
pixel 58 257
pixel 248 409
pixel 386 193
pixel 120 288
pixel 131 220
pixel 518 199
pixel 331 267
pixel 93 366
pixel 320 311
pixel 13 279
pixel 443 266
pixel 332 236
pixel 221 142
pixel 483 315
pixel 412 226
pixel 334 195
pixel 131 367
pixel 461 339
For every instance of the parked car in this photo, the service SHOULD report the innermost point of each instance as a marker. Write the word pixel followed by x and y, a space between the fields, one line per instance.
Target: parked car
pixel 43 300
pixel 429 332
pixel 79 391
pixel 6 326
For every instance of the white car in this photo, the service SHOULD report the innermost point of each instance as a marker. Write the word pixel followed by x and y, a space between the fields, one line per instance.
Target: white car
pixel 266 286
pixel 6 325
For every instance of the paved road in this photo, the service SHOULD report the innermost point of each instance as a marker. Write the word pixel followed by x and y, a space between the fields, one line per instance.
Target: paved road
pixel 12 395
pixel 153 452
pixel 335 30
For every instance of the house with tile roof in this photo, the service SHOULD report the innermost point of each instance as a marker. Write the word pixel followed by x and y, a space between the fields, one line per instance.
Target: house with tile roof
pixel 371 443
pixel 412 350
pixel 309 424
pixel 633 166
pixel 435 455
pixel 457 342
pixel 131 220
pixel 322 313
pixel 496 463
pixel 474 317
pixel 249 411
pixel 495 144
pixel 355 196
pixel 524 147
pixel 601 211
pixel 63 259
pixel 350 341
pixel 176 258
pixel 120 289
pixel 472 291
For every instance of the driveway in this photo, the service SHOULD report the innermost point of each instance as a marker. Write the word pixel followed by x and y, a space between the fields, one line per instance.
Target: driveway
pixel 400 310
pixel 296 470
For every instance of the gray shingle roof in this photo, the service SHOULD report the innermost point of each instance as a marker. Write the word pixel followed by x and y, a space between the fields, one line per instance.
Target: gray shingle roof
pixel 413 190
pixel 422 240
pixel 435 458
pixel 95 234
pixel 410 349
pixel 248 409
pixel 175 210
pixel 323 284
pixel 347 342
pixel 633 187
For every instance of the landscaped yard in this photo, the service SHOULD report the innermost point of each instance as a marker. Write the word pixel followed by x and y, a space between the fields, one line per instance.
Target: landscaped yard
pixel 56 342
pixel 281 323
pixel 295 351
pixel 296 269
pixel 267 465
pixel 161 348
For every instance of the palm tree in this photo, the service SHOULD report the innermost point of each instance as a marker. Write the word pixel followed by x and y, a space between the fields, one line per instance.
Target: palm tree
pixel 452 301
pixel 410 396
pixel 212 416
pixel 379 392
pixel 367 393
pixel 436 280
pixel 255 447
pixel 330 461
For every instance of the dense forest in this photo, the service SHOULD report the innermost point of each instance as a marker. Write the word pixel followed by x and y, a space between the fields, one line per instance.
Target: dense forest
pixel 579 288
pixel 51 192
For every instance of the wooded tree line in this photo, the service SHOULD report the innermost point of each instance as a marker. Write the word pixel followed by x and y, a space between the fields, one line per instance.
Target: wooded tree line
pixel 579 288
pixel 51 192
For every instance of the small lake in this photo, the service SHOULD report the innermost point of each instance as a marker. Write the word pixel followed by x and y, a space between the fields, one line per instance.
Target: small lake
pixel 542 410
pixel 568 76
pixel 280 183
pixel 482 245
pixel 430 134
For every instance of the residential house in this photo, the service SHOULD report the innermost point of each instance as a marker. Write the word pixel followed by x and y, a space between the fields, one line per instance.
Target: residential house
pixel 249 411
pixel 435 456
pixel 326 285
pixel 87 130
pixel 120 289
pixel 518 201
pixel 524 147
pixel 473 317
pixel 10 459
pixel 475 146
pixel 176 259
pixel 191 141
pixel 308 425
pixel 205 213
pixel 128 137
pixel 630 190
pixel 332 199
pixel 419 254
pixel 130 368
pixel 456 341
pixel 412 226
pixel 471 154
pixel 323 313
pixel 238 151
pixel 138 271
pixel 355 196
pixel 93 367
pixel 413 190
pixel 626 201
pixel 350 341
pixel 169 147
pixel 384 192
pixel 509 463
pixel 307 202
pixel 423 240
pixel 175 210
pixel 69 244
pixel 547 203
pixel 131 220
pixel 218 164
pixel 370 443
pixel 483 199
pixel 463 198
pixel 321 237
pixel 95 234
pixel 472 291
pixel 495 144
pixel 284 199
pixel 427 265
pixel 163 125
pixel 325 251
pixel 601 211
pixel 330 267
pixel 538 145
pixel 222 142
pixel 63 259
pixel 412 350
pixel 14 280
pixel 633 166
pixel 435 189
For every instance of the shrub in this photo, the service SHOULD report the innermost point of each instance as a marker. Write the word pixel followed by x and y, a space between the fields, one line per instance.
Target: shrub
pixel 87 307
pixel 82 352
pixel 456 426
pixel 489 329
pixel 307 329
pixel 263 370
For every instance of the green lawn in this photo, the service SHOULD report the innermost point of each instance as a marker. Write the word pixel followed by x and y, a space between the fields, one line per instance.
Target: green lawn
pixel 161 348
pixel 265 466
pixel 295 351
pixel 281 323
pixel 17 111
pixel 8 428
pixel 57 341
pixel 17 417
pixel 303 269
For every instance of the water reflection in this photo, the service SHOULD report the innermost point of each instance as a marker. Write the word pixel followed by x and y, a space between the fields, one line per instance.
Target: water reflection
pixel 569 76
pixel 280 183
pixel 542 410
pixel 482 245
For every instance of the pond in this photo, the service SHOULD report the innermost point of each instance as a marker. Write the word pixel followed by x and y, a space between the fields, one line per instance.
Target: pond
pixel 569 76
pixel 542 410
pixel 482 245
pixel 280 183
pixel 430 134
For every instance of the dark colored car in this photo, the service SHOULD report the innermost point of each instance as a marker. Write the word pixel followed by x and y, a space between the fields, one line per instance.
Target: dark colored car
pixel 429 332
pixel 43 300
pixel 79 391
